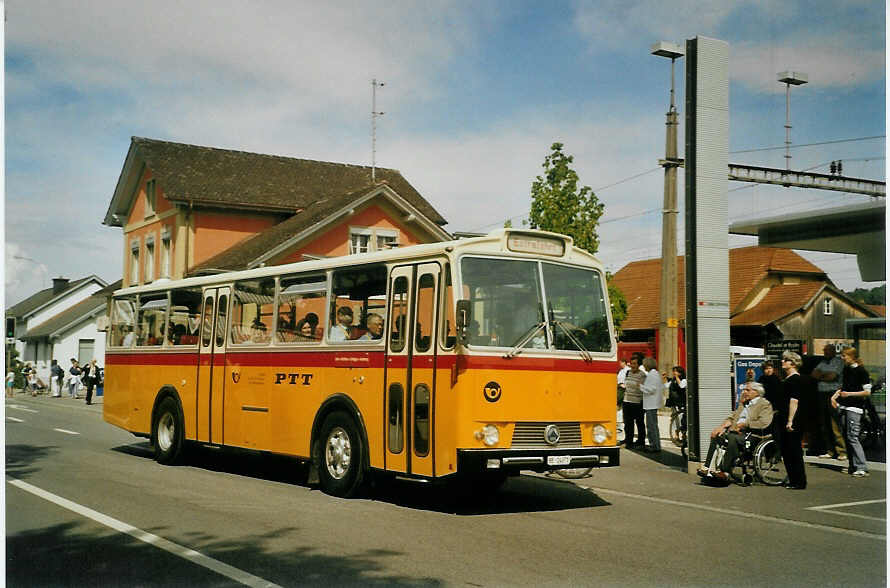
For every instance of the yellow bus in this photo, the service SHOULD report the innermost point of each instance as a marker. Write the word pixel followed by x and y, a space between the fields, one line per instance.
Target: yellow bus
pixel 475 358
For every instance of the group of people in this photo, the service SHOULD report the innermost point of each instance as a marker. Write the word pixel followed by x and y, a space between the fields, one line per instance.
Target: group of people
pixel 770 405
pixel 343 329
pixel 87 376
pixel 773 405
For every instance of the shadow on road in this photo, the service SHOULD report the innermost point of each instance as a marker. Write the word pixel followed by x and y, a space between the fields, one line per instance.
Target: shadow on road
pixel 76 554
pixel 518 494
pixel 21 458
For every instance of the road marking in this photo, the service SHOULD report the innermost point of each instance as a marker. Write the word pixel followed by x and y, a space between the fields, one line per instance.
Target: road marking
pixel 9 418
pixel 747 515
pixel 191 555
pixel 829 508
pixel 20 407
pixel 67 432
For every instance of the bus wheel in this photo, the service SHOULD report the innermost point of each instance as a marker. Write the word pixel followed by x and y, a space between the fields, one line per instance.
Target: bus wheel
pixel 167 433
pixel 340 457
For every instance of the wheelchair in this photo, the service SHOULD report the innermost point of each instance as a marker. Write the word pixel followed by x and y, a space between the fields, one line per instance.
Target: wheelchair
pixel 759 458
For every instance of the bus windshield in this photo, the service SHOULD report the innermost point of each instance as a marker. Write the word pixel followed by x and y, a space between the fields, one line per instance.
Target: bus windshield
pixel 508 305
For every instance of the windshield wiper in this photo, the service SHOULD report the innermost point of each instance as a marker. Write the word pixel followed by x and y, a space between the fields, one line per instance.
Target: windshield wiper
pixel 526 337
pixel 584 353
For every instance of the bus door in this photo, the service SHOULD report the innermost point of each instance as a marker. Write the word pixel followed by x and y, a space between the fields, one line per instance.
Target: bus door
pixel 410 369
pixel 211 364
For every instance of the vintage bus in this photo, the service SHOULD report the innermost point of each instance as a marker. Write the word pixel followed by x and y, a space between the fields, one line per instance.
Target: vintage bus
pixel 474 358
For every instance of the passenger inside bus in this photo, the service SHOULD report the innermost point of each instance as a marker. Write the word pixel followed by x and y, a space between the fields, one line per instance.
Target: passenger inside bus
pixel 375 328
pixel 342 330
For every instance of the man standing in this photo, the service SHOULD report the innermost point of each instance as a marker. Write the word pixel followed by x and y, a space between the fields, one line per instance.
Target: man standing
pixel 829 377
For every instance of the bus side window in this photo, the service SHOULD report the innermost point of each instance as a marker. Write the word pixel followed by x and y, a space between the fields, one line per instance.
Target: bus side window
pixel 253 306
pixel 185 315
pixel 207 322
pixel 447 321
pixel 398 313
pixel 151 323
pixel 357 296
pixel 123 317
pixel 301 300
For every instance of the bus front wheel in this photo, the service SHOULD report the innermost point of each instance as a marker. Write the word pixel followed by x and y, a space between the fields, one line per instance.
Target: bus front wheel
pixel 340 457
pixel 168 432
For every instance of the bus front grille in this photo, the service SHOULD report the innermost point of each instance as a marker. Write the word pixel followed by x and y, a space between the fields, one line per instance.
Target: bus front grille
pixel 531 436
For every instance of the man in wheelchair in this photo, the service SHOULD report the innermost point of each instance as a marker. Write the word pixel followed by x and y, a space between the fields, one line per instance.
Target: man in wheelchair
pixel 754 413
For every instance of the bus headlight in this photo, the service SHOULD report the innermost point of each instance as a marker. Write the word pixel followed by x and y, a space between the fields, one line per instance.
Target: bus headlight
pixel 489 435
pixel 600 434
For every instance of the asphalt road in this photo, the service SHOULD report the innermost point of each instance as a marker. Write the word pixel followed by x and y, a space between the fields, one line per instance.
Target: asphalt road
pixel 87 505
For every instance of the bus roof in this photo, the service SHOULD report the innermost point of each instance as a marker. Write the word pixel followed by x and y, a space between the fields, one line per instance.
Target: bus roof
pixel 523 243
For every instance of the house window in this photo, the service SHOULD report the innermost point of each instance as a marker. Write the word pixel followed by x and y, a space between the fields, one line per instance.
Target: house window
pixel 149 259
pixel 85 350
pixel 134 263
pixel 827 306
pixel 165 253
pixel 363 239
pixel 149 198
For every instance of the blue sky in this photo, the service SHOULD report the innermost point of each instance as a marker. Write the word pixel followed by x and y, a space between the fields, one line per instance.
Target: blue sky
pixel 475 94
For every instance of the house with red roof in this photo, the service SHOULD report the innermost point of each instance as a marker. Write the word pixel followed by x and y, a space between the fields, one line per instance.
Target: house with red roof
pixel 774 294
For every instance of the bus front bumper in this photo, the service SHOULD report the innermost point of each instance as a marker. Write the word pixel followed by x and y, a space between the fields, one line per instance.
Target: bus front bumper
pixel 474 461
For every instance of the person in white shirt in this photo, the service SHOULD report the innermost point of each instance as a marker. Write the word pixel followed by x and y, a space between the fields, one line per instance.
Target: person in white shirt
pixel 342 331
pixel 622 379
pixel 653 399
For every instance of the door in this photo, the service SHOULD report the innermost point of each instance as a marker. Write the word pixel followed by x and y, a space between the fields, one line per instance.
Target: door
pixel 211 365
pixel 410 369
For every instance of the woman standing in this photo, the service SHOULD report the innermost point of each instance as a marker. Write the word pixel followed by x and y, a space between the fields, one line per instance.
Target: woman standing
pixel 632 407
pixel 850 402
pixel 791 421
pixel 653 399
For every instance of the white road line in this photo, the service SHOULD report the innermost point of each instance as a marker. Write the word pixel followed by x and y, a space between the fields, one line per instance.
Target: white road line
pixel 747 515
pixel 9 418
pixel 191 555
pixel 67 432
pixel 843 504
pixel 20 407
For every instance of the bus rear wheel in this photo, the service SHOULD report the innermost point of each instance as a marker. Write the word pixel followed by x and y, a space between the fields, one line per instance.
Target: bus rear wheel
pixel 340 456
pixel 167 432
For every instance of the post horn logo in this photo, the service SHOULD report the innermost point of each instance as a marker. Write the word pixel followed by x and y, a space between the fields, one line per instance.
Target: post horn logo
pixel 492 391
pixel 236 376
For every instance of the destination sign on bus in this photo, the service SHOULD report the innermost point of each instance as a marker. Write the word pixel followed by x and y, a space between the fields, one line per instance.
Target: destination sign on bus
pixel 540 245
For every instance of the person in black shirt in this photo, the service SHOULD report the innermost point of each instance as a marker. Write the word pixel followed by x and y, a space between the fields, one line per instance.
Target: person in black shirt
pixel 770 382
pixel 791 421
pixel 850 403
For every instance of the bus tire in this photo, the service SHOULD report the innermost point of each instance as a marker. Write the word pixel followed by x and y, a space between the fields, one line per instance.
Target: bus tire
pixel 340 456
pixel 167 432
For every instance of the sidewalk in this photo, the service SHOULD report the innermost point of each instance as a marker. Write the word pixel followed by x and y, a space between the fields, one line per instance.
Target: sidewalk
pixel 20 393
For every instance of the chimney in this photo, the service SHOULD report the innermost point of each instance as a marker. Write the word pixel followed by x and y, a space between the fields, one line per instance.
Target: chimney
pixel 59 285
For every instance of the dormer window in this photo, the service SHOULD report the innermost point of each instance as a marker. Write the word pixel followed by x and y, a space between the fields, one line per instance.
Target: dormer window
pixel 367 239
pixel 150 197
pixel 827 306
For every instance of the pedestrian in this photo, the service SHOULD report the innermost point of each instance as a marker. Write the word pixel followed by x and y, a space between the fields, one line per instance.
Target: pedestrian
pixel 792 421
pixel 56 375
pixel 829 379
pixel 770 382
pixel 622 378
pixel 676 387
pixel 653 400
pixel 632 406
pixel 32 382
pixel 10 382
pixel 74 380
pixel 850 404
pixel 90 377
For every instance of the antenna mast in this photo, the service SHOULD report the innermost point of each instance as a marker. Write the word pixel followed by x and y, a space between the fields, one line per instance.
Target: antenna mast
pixel 374 114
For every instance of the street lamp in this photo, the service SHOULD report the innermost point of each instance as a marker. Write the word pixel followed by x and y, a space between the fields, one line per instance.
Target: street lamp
pixel 789 78
pixel 667 324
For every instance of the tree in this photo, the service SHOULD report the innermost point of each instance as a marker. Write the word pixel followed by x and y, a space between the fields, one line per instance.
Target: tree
pixel 877 295
pixel 559 206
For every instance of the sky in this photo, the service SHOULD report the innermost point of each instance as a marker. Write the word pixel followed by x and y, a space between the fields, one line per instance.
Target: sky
pixel 475 93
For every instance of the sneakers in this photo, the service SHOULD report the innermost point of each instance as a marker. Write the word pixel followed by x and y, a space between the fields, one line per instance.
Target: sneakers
pixel 841 458
pixel 860 474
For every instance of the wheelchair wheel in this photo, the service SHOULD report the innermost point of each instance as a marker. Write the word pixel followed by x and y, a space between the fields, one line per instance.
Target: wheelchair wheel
pixel 768 465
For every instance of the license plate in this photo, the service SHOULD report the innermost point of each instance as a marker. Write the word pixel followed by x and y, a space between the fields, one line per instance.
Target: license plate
pixel 558 460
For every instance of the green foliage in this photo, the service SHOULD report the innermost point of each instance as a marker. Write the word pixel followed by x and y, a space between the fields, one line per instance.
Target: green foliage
pixel 877 295
pixel 618 304
pixel 508 224
pixel 558 204
pixel 16 367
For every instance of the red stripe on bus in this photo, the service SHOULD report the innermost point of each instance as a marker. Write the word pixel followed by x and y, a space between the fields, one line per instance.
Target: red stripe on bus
pixel 166 358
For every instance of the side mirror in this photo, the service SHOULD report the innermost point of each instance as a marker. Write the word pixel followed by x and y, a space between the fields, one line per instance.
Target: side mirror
pixel 462 319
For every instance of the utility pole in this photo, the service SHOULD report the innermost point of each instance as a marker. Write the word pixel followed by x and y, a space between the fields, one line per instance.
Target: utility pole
pixel 789 78
pixel 668 322
pixel 374 114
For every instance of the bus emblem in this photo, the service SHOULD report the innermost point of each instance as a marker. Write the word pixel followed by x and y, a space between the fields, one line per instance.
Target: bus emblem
pixel 236 376
pixel 492 392
pixel 551 434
